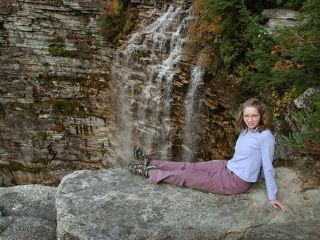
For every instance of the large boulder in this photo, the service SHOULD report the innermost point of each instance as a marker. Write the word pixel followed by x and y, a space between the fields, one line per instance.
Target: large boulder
pixel 28 212
pixel 280 18
pixel 303 101
pixel 115 204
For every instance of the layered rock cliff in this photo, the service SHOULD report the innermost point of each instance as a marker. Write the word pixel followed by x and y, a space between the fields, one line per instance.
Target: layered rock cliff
pixel 55 106
pixel 57 109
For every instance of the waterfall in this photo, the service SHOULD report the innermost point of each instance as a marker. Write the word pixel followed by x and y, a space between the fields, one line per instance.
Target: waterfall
pixel 191 119
pixel 142 78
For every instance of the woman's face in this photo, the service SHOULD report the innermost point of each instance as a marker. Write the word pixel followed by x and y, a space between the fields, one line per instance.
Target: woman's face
pixel 251 117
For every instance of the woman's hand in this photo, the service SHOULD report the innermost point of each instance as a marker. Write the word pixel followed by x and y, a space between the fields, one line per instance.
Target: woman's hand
pixel 276 203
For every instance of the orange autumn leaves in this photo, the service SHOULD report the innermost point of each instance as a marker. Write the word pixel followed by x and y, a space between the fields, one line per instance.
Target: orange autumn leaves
pixel 286 65
pixel 282 101
pixel 294 42
pixel 111 7
pixel 203 31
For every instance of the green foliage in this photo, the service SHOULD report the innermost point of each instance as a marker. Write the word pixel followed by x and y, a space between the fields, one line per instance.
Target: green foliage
pixel 307 138
pixel 288 57
pixel 117 19
pixel 61 52
pixel 220 31
pixel 290 4
pixel 232 36
pixel 226 14
pixel 56 48
pixel 68 107
pixel 127 26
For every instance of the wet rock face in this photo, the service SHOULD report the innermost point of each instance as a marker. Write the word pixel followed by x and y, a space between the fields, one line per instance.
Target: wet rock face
pixel 147 82
pixel 56 110
pixel 55 113
pixel 163 102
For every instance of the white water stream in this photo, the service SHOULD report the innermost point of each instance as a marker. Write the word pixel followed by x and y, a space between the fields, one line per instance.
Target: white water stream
pixel 191 116
pixel 142 76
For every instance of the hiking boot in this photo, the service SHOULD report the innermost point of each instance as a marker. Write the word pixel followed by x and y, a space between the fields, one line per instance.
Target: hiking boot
pixel 141 156
pixel 140 169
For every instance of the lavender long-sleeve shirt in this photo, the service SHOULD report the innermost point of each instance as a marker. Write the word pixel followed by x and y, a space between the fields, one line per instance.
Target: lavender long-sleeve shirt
pixel 255 150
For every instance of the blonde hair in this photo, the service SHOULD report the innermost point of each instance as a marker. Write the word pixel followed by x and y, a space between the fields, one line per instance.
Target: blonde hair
pixel 264 116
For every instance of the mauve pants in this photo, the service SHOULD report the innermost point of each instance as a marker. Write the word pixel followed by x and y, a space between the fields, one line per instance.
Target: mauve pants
pixel 211 176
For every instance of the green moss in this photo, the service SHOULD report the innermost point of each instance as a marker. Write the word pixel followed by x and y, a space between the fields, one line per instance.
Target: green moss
pixel 68 107
pixel 28 110
pixel 21 109
pixel 61 52
pixel 56 106
pixel 57 48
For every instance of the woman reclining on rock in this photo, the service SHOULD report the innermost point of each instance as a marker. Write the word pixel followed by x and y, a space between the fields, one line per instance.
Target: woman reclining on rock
pixel 253 155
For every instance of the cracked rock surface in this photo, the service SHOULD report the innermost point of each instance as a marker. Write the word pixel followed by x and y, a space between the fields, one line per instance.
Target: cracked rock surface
pixel 115 204
pixel 28 212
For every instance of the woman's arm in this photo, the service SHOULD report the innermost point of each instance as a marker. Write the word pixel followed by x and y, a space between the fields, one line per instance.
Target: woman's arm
pixel 276 203
pixel 267 151
pixel 267 145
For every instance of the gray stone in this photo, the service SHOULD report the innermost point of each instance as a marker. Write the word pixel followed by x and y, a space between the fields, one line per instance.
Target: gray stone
pixel 87 6
pixel 28 212
pixel 280 13
pixel 273 23
pixel 28 228
pixel 280 18
pixel 303 101
pixel 115 204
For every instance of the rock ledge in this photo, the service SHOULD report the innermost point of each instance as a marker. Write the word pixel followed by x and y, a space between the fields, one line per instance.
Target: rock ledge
pixel 115 204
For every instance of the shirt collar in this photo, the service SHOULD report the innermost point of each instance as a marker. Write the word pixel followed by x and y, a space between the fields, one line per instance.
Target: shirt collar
pixel 245 130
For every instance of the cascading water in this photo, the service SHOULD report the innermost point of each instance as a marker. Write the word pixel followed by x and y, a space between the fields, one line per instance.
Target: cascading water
pixel 191 119
pixel 142 75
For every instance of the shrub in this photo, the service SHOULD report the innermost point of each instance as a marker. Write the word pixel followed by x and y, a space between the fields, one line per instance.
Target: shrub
pixel 231 37
pixel 289 57
pixel 117 19
pixel 307 137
